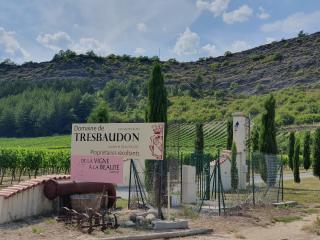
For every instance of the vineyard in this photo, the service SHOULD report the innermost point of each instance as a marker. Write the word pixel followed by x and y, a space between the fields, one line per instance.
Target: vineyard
pixel 182 136
pixel 18 162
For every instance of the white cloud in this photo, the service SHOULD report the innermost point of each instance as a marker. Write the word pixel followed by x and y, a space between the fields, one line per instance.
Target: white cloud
pixel 241 14
pixel 55 41
pixel 9 46
pixel 87 44
pixel 294 23
pixel 140 51
pixel 209 50
pixel 187 43
pixel 270 40
pixel 62 40
pixel 111 22
pixel 238 46
pixel 141 27
pixel 262 14
pixel 217 7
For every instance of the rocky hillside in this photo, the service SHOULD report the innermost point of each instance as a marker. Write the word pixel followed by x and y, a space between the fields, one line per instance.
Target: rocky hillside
pixel 269 67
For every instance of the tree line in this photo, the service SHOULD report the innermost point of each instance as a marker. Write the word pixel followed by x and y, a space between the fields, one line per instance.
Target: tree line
pixel 43 112
pixel 310 153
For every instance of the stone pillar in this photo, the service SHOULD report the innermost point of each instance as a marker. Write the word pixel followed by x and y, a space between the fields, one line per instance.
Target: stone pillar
pixel 189 186
pixel 240 137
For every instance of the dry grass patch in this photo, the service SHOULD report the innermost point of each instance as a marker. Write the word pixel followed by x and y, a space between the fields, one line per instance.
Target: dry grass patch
pixel 307 192
pixel 314 228
pixel 287 219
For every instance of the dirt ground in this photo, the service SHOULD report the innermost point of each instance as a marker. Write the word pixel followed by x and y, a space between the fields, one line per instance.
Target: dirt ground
pixel 263 223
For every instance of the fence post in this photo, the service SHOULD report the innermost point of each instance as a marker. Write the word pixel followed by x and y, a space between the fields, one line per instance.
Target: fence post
pixel 253 188
pixel 181 178
pixel 129 197
pixel 282 194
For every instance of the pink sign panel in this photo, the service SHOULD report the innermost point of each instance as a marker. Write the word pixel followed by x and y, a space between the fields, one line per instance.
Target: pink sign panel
pixel 89 168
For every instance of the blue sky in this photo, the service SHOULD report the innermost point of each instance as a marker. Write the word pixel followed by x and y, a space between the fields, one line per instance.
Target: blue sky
pixel 34 30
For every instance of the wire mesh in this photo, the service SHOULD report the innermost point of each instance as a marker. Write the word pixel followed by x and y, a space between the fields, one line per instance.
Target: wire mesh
pixel 256 180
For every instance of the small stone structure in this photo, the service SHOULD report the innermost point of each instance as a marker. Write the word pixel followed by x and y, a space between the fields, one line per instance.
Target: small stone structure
pixel 225 167
pixel 189 186
pixel 26 199
pixel 240 138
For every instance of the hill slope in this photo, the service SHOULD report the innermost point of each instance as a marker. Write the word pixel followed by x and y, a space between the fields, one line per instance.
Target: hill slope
pixel 266 68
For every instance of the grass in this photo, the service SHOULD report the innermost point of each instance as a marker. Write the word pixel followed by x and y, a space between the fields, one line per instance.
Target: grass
pixel 305 193
pixel 189 212
pixel 37 230
pixel 287 219
pixel 51 142
pixel 310 210
pixel 313 228
pixel 51 221
pixel 122 203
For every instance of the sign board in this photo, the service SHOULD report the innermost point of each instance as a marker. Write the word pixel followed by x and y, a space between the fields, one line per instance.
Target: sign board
pixel 91 168
pixel 97 147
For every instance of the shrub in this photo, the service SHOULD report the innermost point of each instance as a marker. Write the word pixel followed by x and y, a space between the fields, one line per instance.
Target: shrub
pixel 257 57
pixel 276 57
pixel 302 34
pixel 215 66
pixel 228 54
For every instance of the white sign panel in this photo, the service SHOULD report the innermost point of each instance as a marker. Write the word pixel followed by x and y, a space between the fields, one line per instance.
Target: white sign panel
pixel 126 140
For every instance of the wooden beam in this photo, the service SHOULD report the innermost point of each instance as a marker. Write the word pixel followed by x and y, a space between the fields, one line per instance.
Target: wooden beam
pixel 166 235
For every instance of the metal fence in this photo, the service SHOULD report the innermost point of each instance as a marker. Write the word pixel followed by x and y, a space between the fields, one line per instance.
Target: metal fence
pixel 263 181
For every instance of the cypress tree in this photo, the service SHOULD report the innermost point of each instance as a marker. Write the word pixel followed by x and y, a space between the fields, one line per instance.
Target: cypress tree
pixel 267 141
pixel 255 139
pixel 234 169
pixel 229 133
pixel 198 148
pixel 296 163
pixel 255 148
pixel 291 145
pixel 156 112
pixel 316 153
pixel 199 143
pixel 306 151
pixel 202 163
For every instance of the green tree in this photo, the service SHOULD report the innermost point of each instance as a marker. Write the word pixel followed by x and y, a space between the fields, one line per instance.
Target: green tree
pixel 199 84
pixel 302 34
pixel 83 109
pixel 296 163
pixel 268 143
pixel 229 133
pixel 234 168
pixel 199 142
pixel 291 145
pixel 255 139
pixel 316 153
pixel 99 114
pixel 156 112
pixel 306 151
